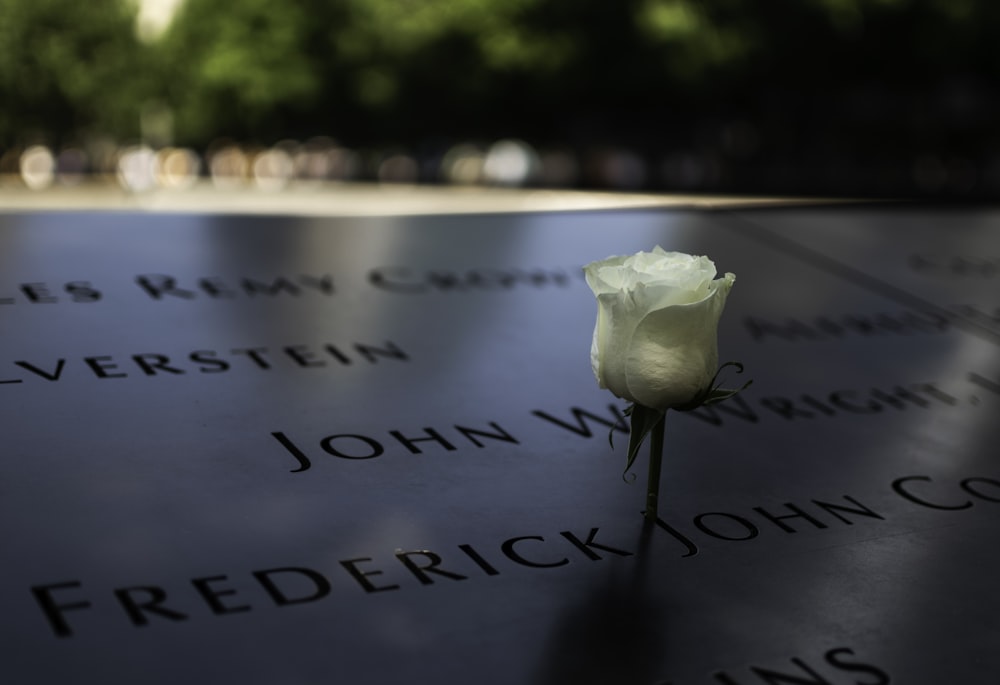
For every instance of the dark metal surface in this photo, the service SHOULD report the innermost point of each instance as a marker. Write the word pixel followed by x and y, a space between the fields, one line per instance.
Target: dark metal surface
pixel 282 451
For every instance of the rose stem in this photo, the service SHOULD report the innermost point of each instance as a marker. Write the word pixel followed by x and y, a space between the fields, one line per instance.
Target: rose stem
pixel 655 460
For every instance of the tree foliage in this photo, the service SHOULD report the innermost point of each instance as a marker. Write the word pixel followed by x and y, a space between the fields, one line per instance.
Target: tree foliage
pixel 406 70
pixel 237 62
pixel 67 67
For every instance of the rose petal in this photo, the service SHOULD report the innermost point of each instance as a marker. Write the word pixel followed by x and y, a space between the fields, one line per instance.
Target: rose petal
pixel 673 352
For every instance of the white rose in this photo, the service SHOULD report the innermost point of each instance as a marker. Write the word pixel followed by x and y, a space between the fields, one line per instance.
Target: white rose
pixel 655 342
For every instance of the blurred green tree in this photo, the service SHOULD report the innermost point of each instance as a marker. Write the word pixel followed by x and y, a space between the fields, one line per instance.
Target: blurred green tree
pixel 70 68
pixel 809 80
pixel 398 70
pixel 241 69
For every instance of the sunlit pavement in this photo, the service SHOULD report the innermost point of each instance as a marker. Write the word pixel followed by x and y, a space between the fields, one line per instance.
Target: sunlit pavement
pixel 345 199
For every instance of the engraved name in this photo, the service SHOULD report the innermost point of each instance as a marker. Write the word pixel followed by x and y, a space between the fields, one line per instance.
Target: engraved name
pixel 66 604
pixel 202 361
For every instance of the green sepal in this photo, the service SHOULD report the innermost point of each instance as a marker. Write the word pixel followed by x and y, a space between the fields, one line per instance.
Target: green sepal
pixel 716 393
pixel 644 420
pixel 720 394
pixel 611 433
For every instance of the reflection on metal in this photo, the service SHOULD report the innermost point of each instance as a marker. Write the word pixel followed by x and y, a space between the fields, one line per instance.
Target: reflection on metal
pixel 374 448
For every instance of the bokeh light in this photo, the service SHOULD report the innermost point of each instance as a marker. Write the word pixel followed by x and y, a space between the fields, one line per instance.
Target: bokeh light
pixel 177 168
pixel 510 163
pixel 38 167
pixel 273 168
pixel 137 168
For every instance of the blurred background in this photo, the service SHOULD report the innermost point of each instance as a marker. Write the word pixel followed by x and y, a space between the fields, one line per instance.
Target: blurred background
pixel 790 97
